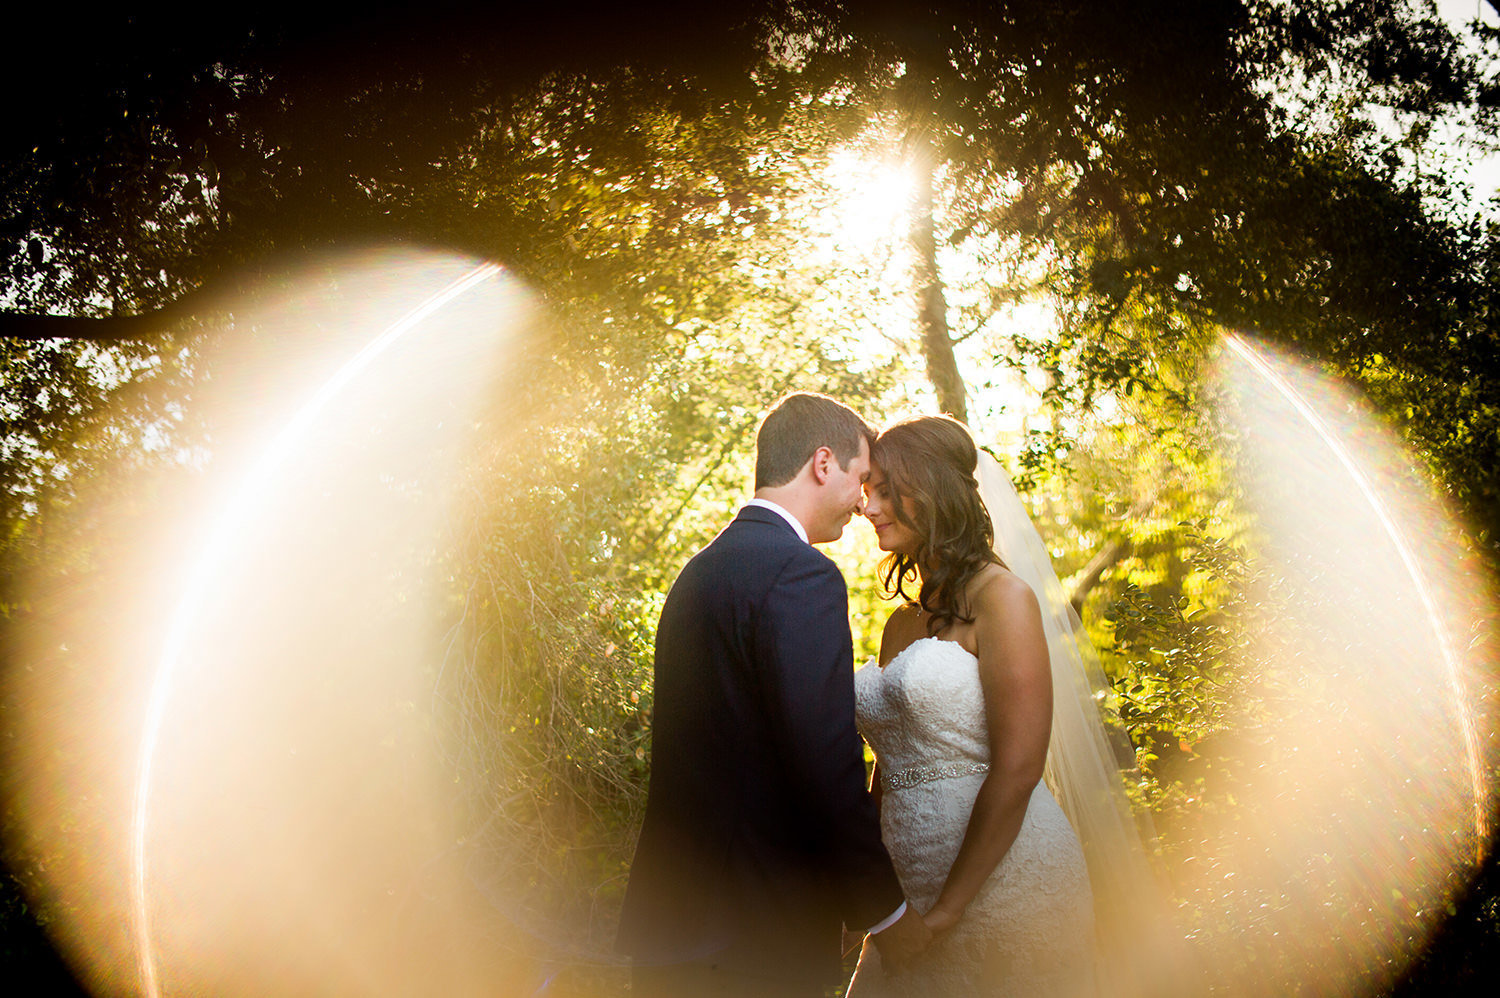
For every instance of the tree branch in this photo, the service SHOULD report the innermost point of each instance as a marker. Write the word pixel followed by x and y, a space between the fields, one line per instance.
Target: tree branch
pixel 233 277
pixel 105 328
pixel 1103 560
pixel 1107 557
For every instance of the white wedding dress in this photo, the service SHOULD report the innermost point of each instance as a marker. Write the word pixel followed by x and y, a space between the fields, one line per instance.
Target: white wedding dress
pixel 1029 931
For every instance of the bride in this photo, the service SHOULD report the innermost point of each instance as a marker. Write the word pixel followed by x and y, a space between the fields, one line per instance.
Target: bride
pixel 976 676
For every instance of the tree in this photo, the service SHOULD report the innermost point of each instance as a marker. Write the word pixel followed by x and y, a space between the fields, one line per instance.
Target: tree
pixel 1132 168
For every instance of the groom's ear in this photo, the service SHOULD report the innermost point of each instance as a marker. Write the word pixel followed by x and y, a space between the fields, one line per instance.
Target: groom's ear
pixel 822 461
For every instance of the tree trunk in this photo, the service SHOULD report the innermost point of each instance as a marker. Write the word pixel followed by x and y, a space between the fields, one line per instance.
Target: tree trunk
pixel 932 317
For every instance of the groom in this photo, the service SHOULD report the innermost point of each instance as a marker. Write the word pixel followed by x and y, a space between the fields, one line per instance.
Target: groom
pixel 760 839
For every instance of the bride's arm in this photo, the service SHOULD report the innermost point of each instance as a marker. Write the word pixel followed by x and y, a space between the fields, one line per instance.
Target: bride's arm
pixel 1016 679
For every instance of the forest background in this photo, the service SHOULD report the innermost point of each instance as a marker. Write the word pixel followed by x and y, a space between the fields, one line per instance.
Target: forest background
pixel 1040 217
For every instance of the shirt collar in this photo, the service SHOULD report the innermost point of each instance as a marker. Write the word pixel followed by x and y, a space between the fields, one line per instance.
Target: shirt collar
pixel 789 518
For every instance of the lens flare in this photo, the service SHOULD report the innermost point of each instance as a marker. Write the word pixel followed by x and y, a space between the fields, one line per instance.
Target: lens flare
pixel 1419 582
pixel 268 745
pixel 227 534
pixel 1346 804
pixel 283 817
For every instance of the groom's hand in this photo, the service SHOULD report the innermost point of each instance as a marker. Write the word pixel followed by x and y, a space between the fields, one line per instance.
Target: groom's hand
pixel 903 942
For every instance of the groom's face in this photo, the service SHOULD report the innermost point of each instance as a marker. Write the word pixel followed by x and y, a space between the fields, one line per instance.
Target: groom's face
pixel 844 495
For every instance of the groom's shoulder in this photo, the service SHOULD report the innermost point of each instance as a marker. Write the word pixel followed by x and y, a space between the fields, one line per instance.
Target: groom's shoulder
pixel 787 563
pixel 749 560
pixel 760 537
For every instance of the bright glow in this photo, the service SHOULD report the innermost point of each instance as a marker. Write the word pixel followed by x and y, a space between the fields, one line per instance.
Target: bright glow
pixel 270 806
pixel 227 534
pixel 287 834
pixel 871 202
pixel 860 246
pixel 1346 805
pixel 1397 537
pixel 853 268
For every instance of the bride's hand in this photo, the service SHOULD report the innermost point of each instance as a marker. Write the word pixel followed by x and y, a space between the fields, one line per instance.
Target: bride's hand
pixel 940 920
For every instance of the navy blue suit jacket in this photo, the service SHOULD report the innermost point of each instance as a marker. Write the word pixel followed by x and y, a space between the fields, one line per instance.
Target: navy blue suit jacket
pixel 759 837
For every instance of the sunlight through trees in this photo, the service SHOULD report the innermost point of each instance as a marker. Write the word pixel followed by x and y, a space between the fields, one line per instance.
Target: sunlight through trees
pixel 1043 217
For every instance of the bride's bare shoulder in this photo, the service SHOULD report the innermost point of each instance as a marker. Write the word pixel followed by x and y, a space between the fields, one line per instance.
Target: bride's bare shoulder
pixel 997 590
pixel 902 627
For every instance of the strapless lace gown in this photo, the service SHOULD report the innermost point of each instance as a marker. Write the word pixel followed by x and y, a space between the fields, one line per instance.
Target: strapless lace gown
pixel 1030 930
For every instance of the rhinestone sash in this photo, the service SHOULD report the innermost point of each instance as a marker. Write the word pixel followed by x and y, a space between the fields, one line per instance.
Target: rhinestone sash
pixel 917 775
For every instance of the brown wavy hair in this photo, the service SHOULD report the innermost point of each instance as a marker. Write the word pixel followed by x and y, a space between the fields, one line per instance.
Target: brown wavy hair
pixel 931 460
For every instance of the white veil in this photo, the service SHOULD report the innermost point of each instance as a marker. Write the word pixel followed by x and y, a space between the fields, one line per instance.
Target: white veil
pixel 1081 770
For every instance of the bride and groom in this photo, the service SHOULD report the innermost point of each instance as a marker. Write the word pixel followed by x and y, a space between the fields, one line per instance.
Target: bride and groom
pixel 761 839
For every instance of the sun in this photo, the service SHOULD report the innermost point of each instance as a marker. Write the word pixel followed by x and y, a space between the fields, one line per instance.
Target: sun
pixel 870 200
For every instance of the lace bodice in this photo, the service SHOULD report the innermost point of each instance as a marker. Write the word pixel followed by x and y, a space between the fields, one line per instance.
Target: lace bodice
pixel 923 709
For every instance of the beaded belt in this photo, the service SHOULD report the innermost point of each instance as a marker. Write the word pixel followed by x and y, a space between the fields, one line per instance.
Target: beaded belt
pixel 926 774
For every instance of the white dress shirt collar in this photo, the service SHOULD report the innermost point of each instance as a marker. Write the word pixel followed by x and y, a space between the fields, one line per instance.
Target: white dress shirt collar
pixel 789 518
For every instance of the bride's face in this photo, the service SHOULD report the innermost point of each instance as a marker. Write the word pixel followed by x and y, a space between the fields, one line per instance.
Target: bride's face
pixel 891 534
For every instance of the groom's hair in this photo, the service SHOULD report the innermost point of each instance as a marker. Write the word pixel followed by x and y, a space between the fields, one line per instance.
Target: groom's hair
pixel 796 427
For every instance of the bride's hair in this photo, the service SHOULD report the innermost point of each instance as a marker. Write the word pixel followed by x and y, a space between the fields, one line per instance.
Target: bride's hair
pixel 931 461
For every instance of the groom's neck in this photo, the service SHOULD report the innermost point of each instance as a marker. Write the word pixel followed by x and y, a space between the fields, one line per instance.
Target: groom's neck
pixel 792 498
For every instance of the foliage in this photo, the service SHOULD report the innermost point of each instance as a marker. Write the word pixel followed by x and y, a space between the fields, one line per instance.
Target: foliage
pixel 1141 176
